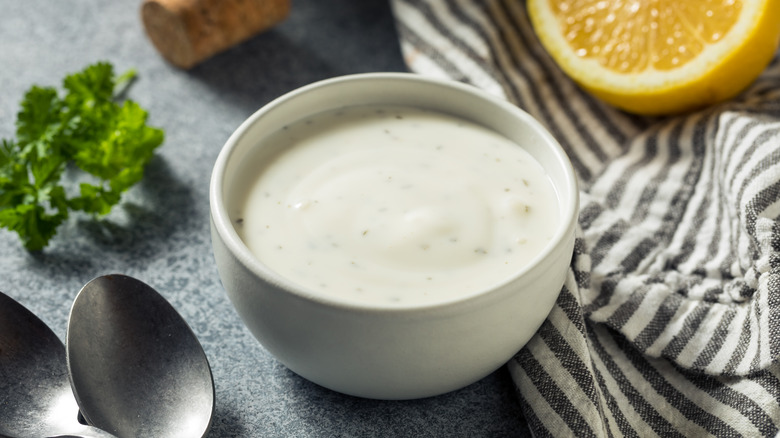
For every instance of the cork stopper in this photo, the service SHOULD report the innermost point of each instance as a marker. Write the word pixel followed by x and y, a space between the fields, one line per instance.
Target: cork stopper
pixel 186 32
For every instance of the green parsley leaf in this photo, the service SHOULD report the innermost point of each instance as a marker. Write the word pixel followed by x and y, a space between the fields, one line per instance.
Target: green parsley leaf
pixel 88 127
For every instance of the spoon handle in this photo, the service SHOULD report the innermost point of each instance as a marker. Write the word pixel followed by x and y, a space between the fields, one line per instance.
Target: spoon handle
pixel 86 432
pixel 87 435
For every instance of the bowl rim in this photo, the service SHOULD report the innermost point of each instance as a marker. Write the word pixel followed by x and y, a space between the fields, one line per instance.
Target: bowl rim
pixel 232 241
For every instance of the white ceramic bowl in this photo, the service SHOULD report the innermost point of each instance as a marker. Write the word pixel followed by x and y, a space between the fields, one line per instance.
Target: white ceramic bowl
pixel 391 353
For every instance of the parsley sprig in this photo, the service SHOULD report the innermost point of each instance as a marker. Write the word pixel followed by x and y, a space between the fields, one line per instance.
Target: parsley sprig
pixel 89 127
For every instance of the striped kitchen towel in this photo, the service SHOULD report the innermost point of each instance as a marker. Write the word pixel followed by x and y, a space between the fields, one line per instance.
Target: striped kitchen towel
pixel 669 322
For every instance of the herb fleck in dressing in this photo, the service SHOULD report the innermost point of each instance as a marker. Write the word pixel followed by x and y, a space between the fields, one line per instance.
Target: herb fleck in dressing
pixel 396 206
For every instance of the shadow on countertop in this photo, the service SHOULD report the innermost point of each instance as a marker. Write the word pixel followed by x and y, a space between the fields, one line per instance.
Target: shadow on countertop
pixel 160 207
pixel 351 36
pixel 316 411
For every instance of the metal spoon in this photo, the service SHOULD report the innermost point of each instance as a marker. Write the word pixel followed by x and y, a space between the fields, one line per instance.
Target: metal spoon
pixel 136 367
pixel 35 395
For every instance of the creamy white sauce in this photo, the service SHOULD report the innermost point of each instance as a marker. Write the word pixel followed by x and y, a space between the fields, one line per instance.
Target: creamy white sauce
pixel 396 206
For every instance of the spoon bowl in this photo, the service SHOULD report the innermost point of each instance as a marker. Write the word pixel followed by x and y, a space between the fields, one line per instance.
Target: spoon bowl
pixel 136 367
pixel 35 396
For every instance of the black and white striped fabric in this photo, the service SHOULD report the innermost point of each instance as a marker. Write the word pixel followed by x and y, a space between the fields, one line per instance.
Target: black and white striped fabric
pixel 669 322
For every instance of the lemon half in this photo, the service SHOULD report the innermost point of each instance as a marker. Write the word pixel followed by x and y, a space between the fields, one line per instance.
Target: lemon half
pixel 658 57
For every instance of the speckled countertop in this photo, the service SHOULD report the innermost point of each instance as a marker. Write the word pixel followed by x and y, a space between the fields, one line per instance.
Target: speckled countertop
pixel 160 233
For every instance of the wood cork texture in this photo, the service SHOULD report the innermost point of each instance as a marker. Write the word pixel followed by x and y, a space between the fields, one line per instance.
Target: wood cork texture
pixel 186 32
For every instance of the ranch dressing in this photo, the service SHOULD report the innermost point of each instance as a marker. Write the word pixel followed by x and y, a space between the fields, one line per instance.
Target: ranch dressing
pixel 396 206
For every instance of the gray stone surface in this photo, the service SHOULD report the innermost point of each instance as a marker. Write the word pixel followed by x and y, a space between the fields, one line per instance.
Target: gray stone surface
pixel 160 232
